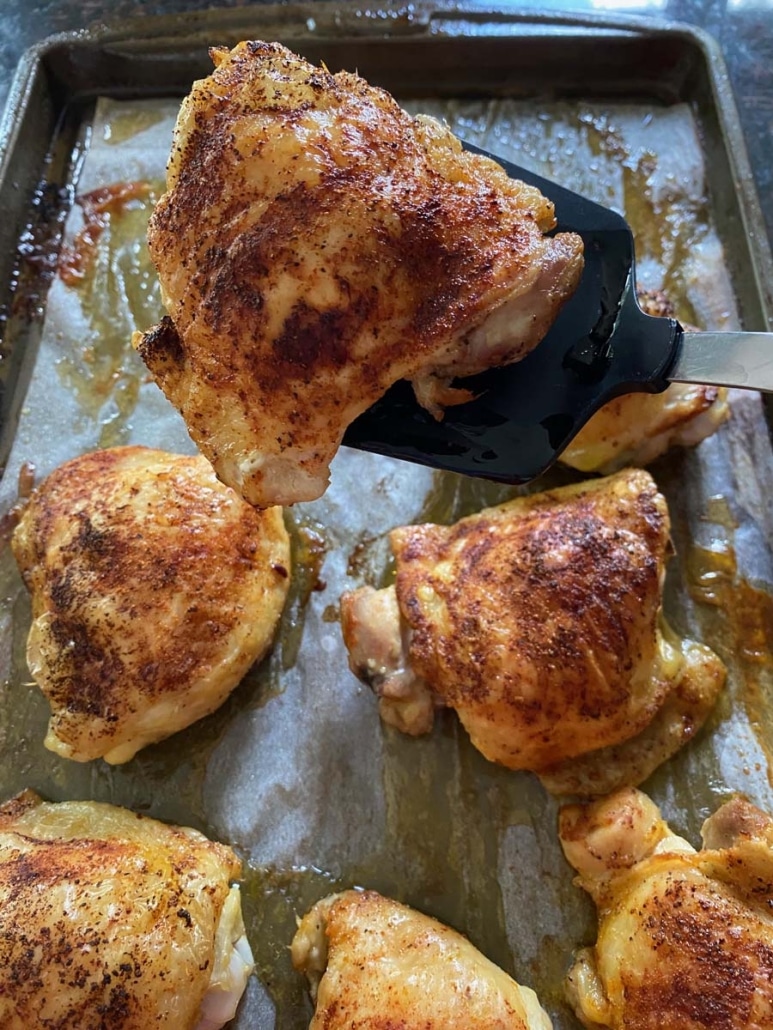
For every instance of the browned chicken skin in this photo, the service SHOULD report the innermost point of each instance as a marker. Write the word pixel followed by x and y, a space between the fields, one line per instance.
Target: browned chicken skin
pixel 685 938
pixel 111 921
pixel 154 589
pixel 540 623
pixel 315 245
pixel 374 964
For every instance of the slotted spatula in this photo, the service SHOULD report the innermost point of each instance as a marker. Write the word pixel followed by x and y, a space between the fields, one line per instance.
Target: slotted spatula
pixel 601 345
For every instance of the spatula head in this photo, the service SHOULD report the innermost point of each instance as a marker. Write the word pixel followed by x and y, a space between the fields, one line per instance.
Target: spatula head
pixel 601 345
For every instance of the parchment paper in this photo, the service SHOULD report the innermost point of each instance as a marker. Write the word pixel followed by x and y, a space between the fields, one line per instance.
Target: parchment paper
pixel 295 771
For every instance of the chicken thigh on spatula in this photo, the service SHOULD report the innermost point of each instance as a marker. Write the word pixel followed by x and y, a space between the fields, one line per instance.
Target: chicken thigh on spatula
pixel 315 245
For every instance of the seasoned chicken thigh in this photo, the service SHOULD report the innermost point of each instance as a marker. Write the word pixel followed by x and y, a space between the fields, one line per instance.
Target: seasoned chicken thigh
pixel 540 623
pixel 315 245
pixel 685 938
pixel 111 921
pixel 154 589
pixel 374 964
pixel 638 427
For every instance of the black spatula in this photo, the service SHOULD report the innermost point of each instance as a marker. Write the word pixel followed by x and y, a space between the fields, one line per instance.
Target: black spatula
pixel 601 345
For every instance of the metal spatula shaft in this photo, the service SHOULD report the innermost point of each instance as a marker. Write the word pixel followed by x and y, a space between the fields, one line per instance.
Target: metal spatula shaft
pixel 725 359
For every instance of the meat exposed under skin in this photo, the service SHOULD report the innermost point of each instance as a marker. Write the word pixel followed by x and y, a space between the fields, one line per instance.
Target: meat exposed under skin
pixel 315 245
pixel 638 427
pixel 375 964
pixel 112 921
pixel 540 623
pixel 685 938
pixel 154 589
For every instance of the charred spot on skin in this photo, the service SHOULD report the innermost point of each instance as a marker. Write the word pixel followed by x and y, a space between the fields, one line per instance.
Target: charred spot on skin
pixel 118 1008
pixel 95 543
pixel 310 338
pixel 161 344
pixel 62 591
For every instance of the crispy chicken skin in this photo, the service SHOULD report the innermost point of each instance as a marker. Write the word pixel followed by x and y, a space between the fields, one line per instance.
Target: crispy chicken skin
pixel 685 938
pixel 112 921
pixel 638 427
pixel 154 589
pixel 374 964
pixel 540 622
pixel 315 245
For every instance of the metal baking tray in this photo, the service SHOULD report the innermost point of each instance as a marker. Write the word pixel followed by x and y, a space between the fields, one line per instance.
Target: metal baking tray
pixel 470 843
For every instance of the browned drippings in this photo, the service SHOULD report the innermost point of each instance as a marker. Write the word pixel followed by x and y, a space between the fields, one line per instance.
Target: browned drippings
pixel 118 292
pixel 10 519
pixel 309 548
pixel 712 578
pixel 711 573
pixel 358 563
pixel 750 613
pixel 26 481
pixel 276 898
pixel 98 205
pixel 310 553
pixel 718 512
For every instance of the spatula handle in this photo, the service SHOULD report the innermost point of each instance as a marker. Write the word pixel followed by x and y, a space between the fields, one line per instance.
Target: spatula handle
pixel 725 359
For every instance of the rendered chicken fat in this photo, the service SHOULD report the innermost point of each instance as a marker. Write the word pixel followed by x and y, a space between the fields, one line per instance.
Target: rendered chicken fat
pixel 374 963
pixel 685 939
pixel 315 245
pixel 540 623
pixel 112 920
pixel 154 589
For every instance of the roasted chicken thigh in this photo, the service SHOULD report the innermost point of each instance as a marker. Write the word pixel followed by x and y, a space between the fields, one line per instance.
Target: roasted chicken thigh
pixel 540 623
pixel 111 921
pixel 154 589
pixel 685 938
pixel 374 964
pixel 316 244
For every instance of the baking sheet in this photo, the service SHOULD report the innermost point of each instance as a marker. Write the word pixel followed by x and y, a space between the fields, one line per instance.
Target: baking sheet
pixel 295 770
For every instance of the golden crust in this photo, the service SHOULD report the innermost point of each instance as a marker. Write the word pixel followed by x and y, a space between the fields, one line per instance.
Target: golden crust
pixel 685 938
pixel 315 245
pixel 107 919
pixel 537 620
pixel 374 963
pixel 154 588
